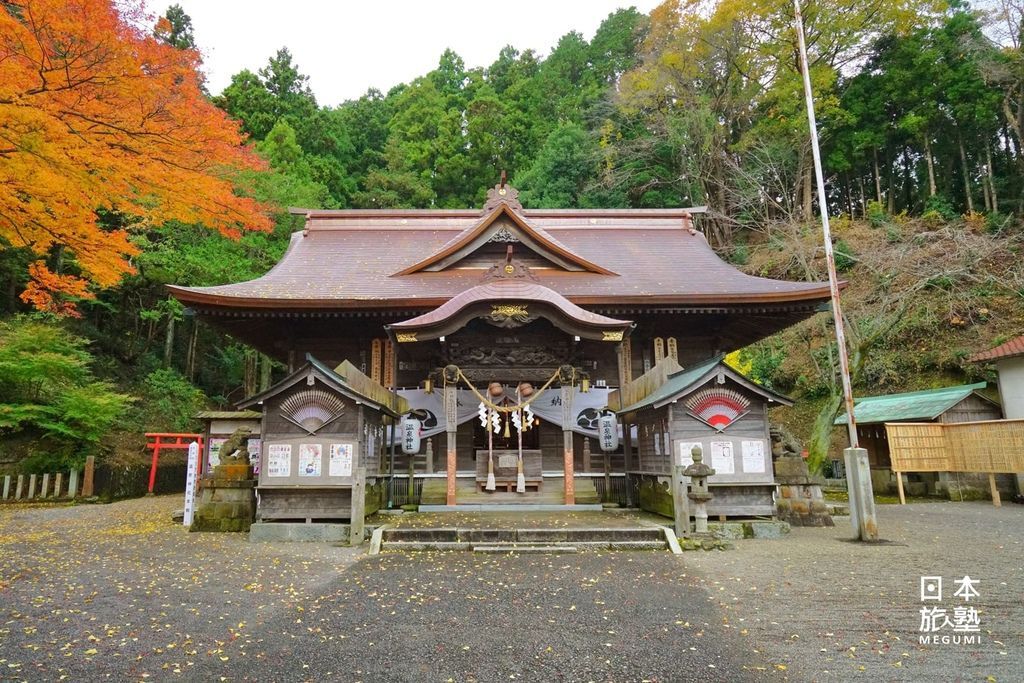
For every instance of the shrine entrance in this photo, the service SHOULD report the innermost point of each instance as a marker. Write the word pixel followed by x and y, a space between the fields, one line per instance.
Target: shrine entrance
pixel 514 388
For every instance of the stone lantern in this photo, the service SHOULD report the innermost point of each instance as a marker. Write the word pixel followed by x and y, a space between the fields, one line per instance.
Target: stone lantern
pixel 698 473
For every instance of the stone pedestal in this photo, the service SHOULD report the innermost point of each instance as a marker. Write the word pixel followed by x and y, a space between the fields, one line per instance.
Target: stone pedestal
pixel 800 501
pixel 227 499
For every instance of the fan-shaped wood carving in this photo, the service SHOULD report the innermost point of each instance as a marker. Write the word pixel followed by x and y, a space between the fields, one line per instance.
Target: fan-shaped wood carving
pixel 312 409
pixel 718 407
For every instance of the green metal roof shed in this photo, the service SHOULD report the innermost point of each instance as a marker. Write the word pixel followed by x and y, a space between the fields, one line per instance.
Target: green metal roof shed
pixel 915 405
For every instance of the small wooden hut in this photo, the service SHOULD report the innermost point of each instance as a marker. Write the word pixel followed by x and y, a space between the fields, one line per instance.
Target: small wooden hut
pixel 963 403
pixel 711 405
pixel 323 438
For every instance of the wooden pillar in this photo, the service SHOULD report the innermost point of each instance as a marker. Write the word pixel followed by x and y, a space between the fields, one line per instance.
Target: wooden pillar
pixel 451 413
pixel 995 490
pixel 358 507
pixel 569 469
pixel 430 455
pixel 627 459
pixel 899 487
pixel 89 476
pixel 586 455
pixel 680 502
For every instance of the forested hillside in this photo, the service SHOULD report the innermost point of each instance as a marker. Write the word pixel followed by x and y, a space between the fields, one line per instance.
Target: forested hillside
pixel 920 105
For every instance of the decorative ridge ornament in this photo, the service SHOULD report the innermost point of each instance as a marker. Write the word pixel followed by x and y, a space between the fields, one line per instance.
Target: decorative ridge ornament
pixel 502 193
pixel 510 269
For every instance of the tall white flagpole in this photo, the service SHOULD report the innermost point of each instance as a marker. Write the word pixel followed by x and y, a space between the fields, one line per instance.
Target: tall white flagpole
pixel 862 508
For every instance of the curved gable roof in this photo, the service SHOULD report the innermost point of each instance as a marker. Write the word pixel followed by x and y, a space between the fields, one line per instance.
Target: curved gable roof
pixel 533 236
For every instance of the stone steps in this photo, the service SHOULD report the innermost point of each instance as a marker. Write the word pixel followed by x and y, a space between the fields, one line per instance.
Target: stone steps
pixel 551 493
pixel 515 540
pixel 528 549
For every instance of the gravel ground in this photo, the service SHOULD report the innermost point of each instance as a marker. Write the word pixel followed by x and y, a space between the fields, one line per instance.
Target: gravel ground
pixel 118 592
pixel 831 610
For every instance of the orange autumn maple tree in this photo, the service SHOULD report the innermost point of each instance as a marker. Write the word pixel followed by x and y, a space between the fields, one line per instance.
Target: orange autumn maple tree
pixel 97 114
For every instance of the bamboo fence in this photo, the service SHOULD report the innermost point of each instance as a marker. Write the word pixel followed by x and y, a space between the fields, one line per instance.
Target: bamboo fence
pixel 989 446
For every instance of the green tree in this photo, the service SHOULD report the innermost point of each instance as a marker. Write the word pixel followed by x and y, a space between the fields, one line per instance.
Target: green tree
pixel 562 170
pixel 175 28
pixel 47 389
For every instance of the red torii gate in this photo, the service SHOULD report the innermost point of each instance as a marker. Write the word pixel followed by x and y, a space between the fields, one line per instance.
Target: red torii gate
pixel 165 441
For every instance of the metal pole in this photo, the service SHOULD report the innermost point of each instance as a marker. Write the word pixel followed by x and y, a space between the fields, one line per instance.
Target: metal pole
pixel 858 477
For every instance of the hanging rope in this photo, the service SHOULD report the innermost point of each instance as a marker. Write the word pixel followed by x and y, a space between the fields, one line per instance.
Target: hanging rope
pixel 507 409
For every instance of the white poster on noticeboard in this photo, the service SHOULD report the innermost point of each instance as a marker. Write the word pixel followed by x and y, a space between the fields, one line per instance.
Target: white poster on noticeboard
pixel 341 460
pixel 279 460
pixel 753 457
pixel 722 460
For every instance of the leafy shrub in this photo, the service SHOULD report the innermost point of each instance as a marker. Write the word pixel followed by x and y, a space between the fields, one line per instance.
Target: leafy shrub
pixel 740 255
pixel 893 234
pixel 877 217
pixel 844 255
pixel 938 206
pixel 47 389
pixel 996 223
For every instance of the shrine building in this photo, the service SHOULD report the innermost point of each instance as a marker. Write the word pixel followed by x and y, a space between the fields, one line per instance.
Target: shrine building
pixel 533 322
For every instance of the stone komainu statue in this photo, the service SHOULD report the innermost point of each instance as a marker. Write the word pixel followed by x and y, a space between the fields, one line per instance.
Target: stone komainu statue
pixel 235 450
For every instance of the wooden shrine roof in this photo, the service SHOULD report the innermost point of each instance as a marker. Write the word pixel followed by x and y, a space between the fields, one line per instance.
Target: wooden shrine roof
pixel 675 384
pixel 530 296
pixel 914 405
pixel 375 259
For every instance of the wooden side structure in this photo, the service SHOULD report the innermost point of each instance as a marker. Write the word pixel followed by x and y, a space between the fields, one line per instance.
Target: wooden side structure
pixel 715 407
pixel 945 405
pixel 991 447
pixel 318 434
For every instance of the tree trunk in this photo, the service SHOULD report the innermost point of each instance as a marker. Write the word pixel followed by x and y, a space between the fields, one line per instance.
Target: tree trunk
pixel 931 165
pixel 169 341
pixel 847 192
pixel 991 177
pixel 890 182
pixel 249 380
pixel 808 193
pixel 878 176
pixel 863 197
pixel 908 187
pixel 963 171
pixel 265 367
pixel 190 358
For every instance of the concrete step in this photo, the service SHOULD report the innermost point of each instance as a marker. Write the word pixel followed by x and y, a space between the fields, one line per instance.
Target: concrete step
pixel 561 535
pixel 523 548
pixel 424 545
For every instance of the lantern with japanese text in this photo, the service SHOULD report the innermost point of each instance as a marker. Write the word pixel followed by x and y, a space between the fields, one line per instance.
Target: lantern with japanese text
pixel 411 435
pixel 608 432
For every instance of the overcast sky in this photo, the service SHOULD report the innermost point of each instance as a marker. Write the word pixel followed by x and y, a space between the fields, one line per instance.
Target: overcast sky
pixel 347 47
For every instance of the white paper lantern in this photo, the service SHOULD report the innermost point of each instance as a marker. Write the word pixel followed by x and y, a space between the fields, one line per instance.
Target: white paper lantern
pixel 608 432
pixel 411 436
